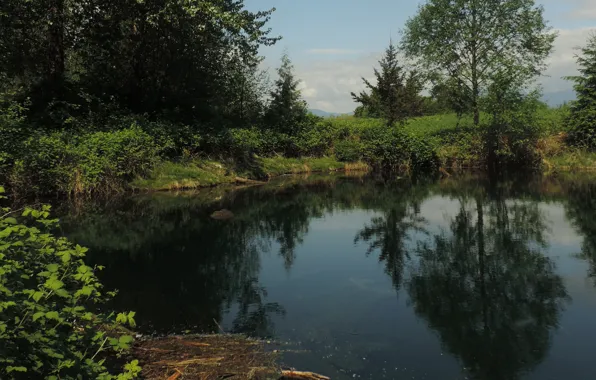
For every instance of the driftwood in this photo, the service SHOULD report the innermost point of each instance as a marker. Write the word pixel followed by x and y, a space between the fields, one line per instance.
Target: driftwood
pixel 302 375
pixel 222 214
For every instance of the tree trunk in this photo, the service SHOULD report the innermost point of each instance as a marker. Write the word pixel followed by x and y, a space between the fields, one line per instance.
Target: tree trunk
pixel 56 44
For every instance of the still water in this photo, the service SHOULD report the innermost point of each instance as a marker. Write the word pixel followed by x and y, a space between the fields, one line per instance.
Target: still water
pixel 460 278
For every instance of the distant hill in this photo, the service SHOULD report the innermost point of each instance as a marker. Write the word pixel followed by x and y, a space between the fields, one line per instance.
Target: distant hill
pixel 322 113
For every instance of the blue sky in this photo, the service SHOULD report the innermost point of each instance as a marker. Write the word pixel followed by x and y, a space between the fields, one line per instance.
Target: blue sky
pixel 335 42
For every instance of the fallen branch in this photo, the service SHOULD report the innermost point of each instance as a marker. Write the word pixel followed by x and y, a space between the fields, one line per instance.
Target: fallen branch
pixel 303 375
pixel 176 375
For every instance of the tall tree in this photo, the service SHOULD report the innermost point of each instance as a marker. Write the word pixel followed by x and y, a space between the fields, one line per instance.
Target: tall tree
pixel 582 119
pixel 287 110
pixel 477 40
pixel 169 57
pixel 395 96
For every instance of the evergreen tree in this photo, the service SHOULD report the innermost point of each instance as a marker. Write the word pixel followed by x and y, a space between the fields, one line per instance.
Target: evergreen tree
pixel 395 97
pixel 582 120
pixel 287 110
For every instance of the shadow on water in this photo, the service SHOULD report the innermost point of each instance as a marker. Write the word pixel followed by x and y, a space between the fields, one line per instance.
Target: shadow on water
pixel 482 281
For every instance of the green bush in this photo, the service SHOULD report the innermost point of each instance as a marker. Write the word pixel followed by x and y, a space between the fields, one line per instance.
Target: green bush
pixel 514 134
pixel 48 327
pixel 391 148
pixel 99 161
pixel 12 133
pixel 314 141
pixel 348 150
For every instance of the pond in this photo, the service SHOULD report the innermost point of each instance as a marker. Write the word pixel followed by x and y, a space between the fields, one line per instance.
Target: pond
pixel 463 277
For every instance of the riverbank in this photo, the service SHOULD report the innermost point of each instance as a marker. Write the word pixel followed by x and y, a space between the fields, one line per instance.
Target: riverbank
pixel 143 158
pixel 206 173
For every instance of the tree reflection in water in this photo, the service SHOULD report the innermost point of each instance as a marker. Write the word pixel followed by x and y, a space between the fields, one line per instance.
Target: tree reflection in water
pixel 487 288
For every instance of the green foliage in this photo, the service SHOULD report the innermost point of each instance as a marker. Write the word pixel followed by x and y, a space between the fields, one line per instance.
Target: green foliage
pixel 48 326
pixel 395 96
pixel 478 42
pixel 12 133
pixel 391 148
pixel 187 59
pixel 514 131
pixel 348 150
pixel 287 111
pixel 84 163
pixel 582 118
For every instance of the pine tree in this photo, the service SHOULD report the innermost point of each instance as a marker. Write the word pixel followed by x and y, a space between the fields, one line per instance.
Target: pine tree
pixel 396 95
pixel 287 110
pixel 582 120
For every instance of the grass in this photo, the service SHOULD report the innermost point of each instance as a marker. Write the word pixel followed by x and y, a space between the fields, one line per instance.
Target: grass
pixel 206 173
pixel 572 160
pixel 175 176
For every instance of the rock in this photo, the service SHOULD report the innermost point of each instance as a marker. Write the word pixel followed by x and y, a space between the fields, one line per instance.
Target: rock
pixel 222 214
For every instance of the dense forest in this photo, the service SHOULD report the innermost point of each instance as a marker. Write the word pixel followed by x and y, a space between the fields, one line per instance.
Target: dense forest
pixel 100 96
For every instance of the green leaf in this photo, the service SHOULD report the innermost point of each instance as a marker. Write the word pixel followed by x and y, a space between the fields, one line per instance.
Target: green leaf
pixel 53 284
pixel 66 257
pixel 52 315
pixel 53 267
pixel 38 315
pixel 37 296
pixel 10 369
pixel 121 318
pixel 10 220
pixel 124 342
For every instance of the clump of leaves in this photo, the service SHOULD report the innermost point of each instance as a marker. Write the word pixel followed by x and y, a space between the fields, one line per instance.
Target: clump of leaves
pixel 582 119
pixel 48 297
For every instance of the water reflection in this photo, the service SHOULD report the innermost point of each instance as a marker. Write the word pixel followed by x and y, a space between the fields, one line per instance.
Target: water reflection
pixel 581 210
pixel 390 233
pixel 488 289
pixel 479 274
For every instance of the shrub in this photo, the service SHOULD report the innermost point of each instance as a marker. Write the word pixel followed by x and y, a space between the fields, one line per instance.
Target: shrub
pixel 391 148
pixel 48 295
pixel 12 133
pixel 348 150
pixel 314 141
pixel 97 161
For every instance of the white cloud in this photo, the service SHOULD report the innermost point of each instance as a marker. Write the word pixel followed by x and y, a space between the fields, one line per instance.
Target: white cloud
pixel 333 51
pixel 583 10
pixel 327 83
pixel 562 61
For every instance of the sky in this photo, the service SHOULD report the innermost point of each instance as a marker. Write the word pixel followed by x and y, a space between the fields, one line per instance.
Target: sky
pixel 334 43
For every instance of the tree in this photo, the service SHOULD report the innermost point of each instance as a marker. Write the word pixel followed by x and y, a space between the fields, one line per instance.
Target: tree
pixel 395 97
pixel 449 94
pixel 161 57
pixel 475 41
pixel 582 119
pixel 287 110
